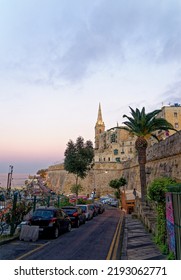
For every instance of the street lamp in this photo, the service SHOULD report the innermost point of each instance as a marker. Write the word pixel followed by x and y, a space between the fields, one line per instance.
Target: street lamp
pixel 10 173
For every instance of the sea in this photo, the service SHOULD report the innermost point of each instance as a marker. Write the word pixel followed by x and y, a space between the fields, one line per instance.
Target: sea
pixel 18 179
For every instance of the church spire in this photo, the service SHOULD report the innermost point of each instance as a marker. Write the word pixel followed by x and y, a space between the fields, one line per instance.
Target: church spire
pixel 99 117
pixel 99 127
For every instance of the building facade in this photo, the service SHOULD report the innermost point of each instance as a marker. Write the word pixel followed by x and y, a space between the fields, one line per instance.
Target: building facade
pixel 112 145
pixel 172 114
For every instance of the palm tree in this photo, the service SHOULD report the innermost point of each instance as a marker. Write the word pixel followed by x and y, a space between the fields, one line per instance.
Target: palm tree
pixel 143 126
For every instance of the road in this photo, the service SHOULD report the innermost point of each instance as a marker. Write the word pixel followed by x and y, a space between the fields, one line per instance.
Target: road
pixel 88 242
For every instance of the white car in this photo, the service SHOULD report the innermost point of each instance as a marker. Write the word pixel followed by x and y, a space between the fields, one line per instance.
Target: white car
pixel 105 199
pixel 87 210
pixel 114 202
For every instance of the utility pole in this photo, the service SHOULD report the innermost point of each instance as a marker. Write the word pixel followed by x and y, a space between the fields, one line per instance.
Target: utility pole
pixel 10 173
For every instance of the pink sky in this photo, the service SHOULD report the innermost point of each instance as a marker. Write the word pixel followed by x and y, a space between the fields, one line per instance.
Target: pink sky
pixel 59 59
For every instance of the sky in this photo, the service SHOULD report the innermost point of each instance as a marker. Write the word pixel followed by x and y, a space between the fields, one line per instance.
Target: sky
pixel 60 58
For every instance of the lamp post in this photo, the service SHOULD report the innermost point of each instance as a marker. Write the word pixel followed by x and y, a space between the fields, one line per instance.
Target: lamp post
pixel 10 173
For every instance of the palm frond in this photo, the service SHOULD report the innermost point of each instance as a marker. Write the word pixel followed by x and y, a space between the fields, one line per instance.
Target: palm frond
pixel 152 114
pixel 142 124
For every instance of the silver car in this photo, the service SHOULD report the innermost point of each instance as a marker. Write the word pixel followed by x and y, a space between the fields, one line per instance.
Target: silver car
pixel 87 210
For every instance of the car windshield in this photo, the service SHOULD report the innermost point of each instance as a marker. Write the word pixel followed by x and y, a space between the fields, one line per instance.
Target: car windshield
pixel 43 213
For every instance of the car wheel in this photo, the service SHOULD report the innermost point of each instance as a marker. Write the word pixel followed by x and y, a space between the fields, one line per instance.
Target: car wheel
pixel 78 223
pixel 69 227
pixel 56 232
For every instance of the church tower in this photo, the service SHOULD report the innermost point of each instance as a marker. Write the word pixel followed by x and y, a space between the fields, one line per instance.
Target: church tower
pixel 99 127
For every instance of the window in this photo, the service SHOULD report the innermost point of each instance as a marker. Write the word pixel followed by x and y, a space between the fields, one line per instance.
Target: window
pixel 113 138
pixel 118 159
pixel 116 152
pixel 175 114
pixel 109 159
pixel 130 150
pixel 122 152
pixel 176 125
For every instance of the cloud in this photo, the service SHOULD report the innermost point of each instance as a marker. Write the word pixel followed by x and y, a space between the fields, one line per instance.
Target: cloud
pixel 172 94
pixel 62 42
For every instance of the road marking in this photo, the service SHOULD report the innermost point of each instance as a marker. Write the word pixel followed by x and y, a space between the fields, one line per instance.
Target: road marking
pixel 32 251
pixel 114 244
pixel 35 244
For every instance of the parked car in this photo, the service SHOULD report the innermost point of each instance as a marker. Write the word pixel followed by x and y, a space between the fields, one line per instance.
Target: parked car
pixel 94 209
pixel 114 202
pixel 76 215
pixel 105 200
pixel 87 210
pixel 100 207
pixel 51 220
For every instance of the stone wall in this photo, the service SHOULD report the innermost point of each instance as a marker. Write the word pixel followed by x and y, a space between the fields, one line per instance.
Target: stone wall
pixel 163 159
pixel 61 181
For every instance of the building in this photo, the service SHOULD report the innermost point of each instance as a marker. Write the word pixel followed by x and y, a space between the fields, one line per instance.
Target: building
pixel 117 145
pixel 112 145
pixel 172 113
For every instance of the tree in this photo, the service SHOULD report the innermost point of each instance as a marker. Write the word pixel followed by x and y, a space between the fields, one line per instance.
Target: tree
pixel 42 172
pixel 143 126
pixel 76 189
pixel 79 158
pixel 16 212
pixel 117 183
pixel 158 188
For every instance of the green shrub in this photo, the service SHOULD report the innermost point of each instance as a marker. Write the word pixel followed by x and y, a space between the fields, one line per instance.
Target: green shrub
pixel 158 188
pixel 117 194
pixel 171 256
pixel 156 193
pixel 81 201
pixel 64 202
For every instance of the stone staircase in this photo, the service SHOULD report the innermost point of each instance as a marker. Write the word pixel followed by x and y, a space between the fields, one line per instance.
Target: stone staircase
pixel 146 212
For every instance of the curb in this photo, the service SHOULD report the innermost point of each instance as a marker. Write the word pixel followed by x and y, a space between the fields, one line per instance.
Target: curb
pixel 5 241
pixel 115 248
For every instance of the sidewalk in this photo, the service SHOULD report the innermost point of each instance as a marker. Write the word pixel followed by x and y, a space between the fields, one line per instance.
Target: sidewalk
pixel 138 243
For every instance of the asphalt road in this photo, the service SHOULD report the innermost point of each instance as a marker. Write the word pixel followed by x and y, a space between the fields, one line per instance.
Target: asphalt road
pixel 88 242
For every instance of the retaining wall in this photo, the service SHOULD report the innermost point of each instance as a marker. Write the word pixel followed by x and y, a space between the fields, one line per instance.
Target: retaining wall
pixel 163 159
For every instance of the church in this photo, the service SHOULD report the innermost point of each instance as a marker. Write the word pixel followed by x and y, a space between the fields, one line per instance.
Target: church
pixel 112 145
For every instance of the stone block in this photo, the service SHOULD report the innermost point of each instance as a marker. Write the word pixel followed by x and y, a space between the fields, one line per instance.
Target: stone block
pixel 29 233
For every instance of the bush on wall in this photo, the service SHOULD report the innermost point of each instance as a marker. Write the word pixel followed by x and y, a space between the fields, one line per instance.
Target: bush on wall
pixel 156 193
